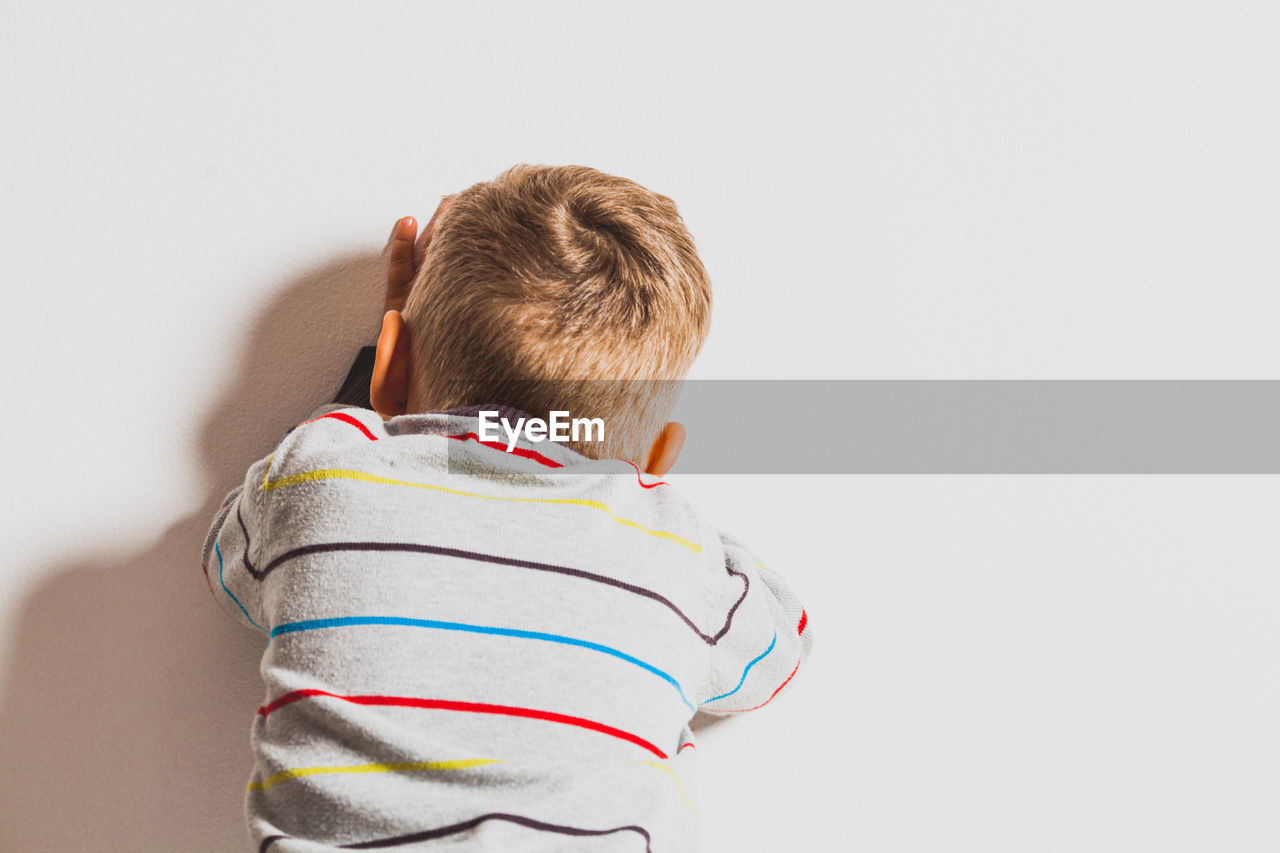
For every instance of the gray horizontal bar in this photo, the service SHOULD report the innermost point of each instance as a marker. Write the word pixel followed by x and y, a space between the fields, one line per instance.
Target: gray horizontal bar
pixel 983 426
pixel 980 427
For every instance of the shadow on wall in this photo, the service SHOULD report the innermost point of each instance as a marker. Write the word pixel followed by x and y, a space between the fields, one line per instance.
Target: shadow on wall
pixel 124 721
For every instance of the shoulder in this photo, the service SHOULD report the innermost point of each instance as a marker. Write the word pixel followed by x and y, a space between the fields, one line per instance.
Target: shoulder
pixel 337 440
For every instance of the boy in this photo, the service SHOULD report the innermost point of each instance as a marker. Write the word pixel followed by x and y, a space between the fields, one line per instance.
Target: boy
pixel 500 644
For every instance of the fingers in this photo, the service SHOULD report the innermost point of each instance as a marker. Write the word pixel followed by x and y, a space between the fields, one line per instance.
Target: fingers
pixel 401 269
pixel 407 249
pixel 427 233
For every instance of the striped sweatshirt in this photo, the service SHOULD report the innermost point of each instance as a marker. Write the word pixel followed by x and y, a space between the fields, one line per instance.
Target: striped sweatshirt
pixel 480 649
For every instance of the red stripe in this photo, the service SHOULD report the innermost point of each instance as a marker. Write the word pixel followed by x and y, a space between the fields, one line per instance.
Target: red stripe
pixel 539 458
pixel 346 419
pixel 496 445
pixel 518 451
pixel 804 620
pixel 767 701
pixel 643 484
pixel 289 699
pixel 474 707
pixel 685 746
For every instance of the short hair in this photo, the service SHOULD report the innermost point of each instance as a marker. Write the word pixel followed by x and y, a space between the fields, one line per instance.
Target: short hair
pixel 546 280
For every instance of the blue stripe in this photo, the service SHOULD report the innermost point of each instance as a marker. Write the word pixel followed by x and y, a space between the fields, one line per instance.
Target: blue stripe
pixel 344 621
pixel 743 680
pixel 218 551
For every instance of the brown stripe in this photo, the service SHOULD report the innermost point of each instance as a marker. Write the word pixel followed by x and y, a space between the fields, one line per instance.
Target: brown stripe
pixel 453 829
pixel 414 548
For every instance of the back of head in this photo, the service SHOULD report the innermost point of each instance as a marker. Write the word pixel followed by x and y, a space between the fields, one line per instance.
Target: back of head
pixel 560 288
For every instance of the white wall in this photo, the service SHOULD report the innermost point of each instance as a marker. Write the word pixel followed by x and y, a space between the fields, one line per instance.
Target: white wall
pixel 193 199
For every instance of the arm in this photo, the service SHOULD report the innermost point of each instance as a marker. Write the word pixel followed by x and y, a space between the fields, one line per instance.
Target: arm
pixel 227 557
pixel 228 554
pixel 354 392
pixel 401 271
pixel 767 637
pixel 355 388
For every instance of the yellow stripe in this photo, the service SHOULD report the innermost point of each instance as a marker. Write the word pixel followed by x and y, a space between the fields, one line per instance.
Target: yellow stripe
pixel 388 767
pixel 679 785
pixel 348 474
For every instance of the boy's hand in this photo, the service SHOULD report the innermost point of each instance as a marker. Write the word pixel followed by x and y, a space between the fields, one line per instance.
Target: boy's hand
pixel 405 256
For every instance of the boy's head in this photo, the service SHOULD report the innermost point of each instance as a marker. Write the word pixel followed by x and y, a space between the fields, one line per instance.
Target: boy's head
pixel 552 288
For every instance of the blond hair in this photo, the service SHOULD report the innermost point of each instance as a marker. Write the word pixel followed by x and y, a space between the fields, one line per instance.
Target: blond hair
pixel 560 288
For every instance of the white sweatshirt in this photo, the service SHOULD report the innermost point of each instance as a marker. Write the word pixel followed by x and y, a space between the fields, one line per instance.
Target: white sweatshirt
pixel 485 649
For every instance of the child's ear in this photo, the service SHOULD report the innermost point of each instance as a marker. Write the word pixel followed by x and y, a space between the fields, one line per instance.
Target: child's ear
pixel 665 449
pixel 389 389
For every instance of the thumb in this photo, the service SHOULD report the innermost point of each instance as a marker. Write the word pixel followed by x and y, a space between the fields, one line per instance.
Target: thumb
pixel 401 269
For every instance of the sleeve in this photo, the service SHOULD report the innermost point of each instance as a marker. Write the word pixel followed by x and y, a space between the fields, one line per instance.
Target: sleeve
pixel 355 389
pixel 226 557
pixel 765 637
